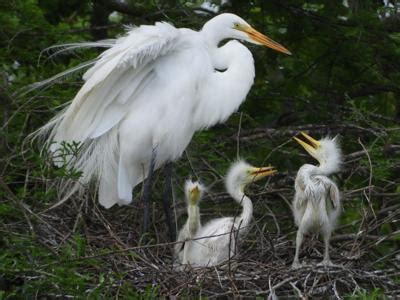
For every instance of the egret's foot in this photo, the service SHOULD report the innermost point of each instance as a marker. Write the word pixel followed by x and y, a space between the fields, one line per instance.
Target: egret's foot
pixel 326 263
pixel 179 266
pixel 297 265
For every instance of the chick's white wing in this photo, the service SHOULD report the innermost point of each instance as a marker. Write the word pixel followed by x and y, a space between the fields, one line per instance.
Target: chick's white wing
pixel 118 75
pixel 334 195
pixel 323 187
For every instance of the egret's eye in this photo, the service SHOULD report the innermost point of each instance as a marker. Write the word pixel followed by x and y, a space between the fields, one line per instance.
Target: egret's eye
pixel 236 25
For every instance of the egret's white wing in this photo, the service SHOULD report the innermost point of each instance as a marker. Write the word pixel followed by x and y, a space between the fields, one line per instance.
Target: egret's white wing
pixel 334 195
pixel 113 81
pixel 322 187
pixel 314 191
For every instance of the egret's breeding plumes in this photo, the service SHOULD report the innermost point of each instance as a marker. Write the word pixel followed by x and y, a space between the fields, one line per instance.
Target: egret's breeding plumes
pixel 193 193
pixel 316 204
pixel 144 97
pixel 216 241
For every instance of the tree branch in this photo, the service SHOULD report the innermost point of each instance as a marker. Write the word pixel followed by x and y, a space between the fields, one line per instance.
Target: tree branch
pixel 373 90
pixel 122 7
pixel 258 133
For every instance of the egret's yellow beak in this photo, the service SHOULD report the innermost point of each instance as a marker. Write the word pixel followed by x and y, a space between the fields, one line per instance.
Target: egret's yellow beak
pixel 311 146
pixel 258 173
pixel 194 195
pixel 262 39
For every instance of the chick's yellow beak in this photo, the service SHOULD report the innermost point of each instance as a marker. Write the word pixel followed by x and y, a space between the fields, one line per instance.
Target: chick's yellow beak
pixel 194 195
pixel 258 173
pixel 262 39
pixel 311 145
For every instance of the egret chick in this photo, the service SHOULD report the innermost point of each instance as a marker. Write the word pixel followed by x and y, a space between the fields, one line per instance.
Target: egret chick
pixel 193 192
pixel 216 241
pixel 316 204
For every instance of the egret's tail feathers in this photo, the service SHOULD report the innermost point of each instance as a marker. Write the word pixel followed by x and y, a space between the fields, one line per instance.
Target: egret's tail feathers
pixel 66 189
pixel 91 160
pixel 108 192
pixel 56 78
pixel 65 48
pixel 45 134
pixel 71 47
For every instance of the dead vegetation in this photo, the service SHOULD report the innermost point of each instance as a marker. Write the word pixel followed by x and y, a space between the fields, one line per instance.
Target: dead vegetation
pixel 365 246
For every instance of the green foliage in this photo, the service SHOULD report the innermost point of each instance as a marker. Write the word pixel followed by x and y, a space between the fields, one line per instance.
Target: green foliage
pixel 27 268
pixel 374 294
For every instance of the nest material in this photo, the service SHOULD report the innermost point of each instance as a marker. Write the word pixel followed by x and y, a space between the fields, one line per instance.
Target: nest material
pixel 263 265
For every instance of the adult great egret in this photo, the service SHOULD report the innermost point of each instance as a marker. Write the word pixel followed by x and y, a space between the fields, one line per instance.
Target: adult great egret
pixel 216 241
pixel 316 204
pixel 193 192
pixel 144 97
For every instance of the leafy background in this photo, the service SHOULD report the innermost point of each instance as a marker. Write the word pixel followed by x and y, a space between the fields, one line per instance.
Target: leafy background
pixel 342 79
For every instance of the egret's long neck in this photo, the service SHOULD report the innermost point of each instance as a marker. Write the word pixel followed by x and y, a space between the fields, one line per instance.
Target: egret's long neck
pixel 227 84
pixel 193 221
pixel 247 206
pixel 307 172
pixel 327 167
pixel 235 58
pixel 212 34
pixel 303 177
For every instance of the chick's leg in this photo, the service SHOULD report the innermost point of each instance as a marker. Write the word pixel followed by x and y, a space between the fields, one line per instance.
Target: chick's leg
pixel 299 240
pixel 326 261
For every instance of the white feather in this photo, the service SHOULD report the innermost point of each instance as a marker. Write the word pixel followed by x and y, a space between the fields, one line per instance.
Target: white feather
pixel 316 204
pixel 217 240
pixel 71 47
pixel 192 224
pixel 152 89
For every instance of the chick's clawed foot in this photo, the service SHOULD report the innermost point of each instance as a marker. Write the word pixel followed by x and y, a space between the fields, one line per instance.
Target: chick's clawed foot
pixel 326 263
pixel 297 265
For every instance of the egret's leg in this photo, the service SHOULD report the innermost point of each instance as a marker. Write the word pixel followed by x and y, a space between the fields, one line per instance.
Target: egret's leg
pixel 147 192
pixel 326 262
pixel 299 240
pixel 326 242
pixel 185 253
pixel 167 200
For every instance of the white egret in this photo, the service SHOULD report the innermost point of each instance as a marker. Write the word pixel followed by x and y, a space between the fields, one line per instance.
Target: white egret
pixel 316 204
pixel 144 97
pixel 193 192
pixel 216 241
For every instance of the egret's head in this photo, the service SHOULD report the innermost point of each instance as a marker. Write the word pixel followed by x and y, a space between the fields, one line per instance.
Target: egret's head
pixel 241 174
pixel 194 192
pixel 233 26
pixel 326 150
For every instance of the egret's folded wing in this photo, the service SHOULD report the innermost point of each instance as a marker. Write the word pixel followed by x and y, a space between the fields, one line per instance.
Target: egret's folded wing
pixel 314 192
pixel 334 194
pixel 323 187
pixel 113 81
